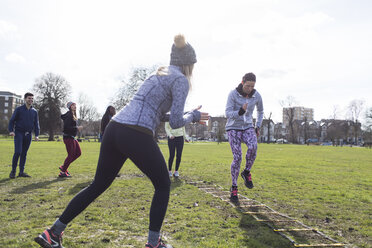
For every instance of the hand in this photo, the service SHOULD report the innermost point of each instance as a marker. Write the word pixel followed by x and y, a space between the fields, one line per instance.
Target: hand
pixel 204 117
pixel 245 105
pixel 171 137
pixel 36 138
pixel 12 134
pixel 257 132
pixel 79 128
pixel 197 108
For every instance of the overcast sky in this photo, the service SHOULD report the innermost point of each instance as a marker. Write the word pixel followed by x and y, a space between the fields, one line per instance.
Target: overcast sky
pixel 317 51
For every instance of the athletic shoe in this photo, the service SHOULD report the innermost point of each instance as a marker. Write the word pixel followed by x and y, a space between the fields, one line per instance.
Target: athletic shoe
pixel 159 245
pixel 64 174
pixel 234 193
pixel 49 240
pixel 170 173
pixel 23 175
pixel 176 174
pixel 12 175
pixel 246 175
pixel 60 168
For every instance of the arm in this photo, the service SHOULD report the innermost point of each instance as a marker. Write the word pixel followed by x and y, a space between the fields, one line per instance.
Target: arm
pixel 36 125
pixel 167 129
pixel 12 121
pixel 229 110
pixel 177 119
pixel 260 112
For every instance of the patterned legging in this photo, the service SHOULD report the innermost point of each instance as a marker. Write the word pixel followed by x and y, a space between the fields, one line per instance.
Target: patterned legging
pixel 236 137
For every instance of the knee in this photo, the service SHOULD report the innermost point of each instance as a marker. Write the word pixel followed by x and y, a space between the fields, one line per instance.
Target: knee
pixel 238 158
pixel 17 153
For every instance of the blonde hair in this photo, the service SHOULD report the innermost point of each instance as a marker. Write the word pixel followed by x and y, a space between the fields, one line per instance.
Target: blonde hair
pixel 186 70
pixel 74 114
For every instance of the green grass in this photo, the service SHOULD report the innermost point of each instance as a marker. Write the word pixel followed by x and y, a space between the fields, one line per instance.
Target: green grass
pixel 328 188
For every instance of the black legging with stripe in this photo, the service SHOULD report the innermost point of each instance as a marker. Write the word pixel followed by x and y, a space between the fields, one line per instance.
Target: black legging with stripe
pixel 120 143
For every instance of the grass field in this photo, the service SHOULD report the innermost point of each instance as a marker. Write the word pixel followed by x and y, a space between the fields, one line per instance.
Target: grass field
pixel 328 188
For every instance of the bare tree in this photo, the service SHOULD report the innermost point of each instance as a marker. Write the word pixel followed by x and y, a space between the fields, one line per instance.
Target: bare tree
pixel 368 117
pixel 354 109
pixel 335 112
pixel 130 87
pixel 51 91
pixel 268 127
pixel 86 109
pixel 288 115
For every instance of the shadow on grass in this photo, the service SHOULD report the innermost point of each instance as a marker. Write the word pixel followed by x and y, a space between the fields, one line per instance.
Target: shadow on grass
pixel 33 186
pixel 5 180
pixel 176 182
pixel 258 233
pixel 78 187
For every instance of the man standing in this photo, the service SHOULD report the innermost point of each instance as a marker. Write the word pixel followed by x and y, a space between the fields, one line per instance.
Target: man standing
pixel 24 120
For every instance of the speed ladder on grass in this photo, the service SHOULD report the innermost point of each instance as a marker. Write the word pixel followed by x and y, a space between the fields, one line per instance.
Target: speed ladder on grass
pixel 293 230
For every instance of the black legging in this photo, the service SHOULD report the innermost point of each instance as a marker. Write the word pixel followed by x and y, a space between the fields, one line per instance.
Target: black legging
pixel 173 145
pixel 119 143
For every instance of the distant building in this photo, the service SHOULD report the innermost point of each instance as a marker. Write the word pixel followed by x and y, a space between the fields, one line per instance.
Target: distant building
pixel 8 103
pixel 299 113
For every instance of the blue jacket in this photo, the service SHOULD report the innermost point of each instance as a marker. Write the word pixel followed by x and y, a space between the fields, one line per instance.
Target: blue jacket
pixel 241 122
pixel 24 120
pixel 156 96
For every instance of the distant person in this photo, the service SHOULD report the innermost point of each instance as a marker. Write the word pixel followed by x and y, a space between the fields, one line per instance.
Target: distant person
pixel 176 138
pixel 110 112
pixel 70 129
pixel 240 128
pixel 130 135
pixel 23 121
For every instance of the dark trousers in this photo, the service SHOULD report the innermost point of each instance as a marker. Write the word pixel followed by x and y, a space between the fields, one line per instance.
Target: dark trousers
pixel 73 151
pixel 22 142
pixel 175 144
pixel 118 144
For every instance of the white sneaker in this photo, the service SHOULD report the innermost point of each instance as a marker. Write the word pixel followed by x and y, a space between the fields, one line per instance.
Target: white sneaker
pixel 176 174
pixel 170 173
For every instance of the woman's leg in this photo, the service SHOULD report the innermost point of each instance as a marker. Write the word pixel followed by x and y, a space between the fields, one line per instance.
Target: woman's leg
pixel 179 148
pixel 69 143
pixel 250 139
pixel 172 149
pixel 235 138
pixel 109 164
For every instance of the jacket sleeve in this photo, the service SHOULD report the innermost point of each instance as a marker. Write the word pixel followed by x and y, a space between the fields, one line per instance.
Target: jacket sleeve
pixel 104 122
pixel 167 129
pixel 12 121
pixel 177 119
pixel 36 124
pixel 260 112
pixel 229 110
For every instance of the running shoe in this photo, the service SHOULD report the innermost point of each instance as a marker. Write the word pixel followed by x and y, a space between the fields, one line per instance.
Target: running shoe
pixel 23 174
pixel 170 173
pixel 176 174
pixel 234 193
pixel 49 240
pixel 60 168
pixel 246 175
pixel 159 245
pixel 12 175
pixel 64 174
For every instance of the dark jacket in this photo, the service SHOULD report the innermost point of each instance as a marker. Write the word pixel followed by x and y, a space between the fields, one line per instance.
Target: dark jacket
pixel 24 120
pixel 105 120
pixel 70 128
